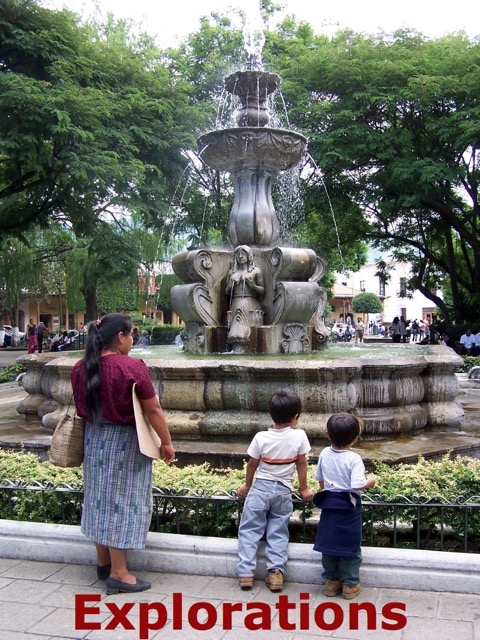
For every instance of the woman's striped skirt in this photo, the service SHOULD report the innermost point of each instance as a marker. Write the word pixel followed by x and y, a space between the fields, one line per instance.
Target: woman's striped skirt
pixel 117 508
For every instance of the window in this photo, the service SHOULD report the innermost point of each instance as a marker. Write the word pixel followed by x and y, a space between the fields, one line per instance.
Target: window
pixel 403 288
pixel 381 287
pixel 362 285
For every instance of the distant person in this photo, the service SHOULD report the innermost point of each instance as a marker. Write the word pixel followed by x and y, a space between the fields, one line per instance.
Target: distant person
pixel 275 454
pixel 65 342
pixel 144 340
pixel 467 342
pixel 433 335
pixel 403 329
pixel 446 341
pixel 422 329
pixel 477 344
pixel 178 340
pixel 55 342
pixel 395 332
pixel 135 336
pixel 31 336
pixel 42 332
pixel 415 329
pixel 341 474
pixel 408 326
pixel 359 330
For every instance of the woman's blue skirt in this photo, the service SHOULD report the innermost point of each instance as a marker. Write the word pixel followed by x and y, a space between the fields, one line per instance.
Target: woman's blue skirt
pixel 117 508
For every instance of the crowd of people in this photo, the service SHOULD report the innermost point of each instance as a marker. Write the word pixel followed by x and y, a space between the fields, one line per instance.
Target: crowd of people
pixel 470 343
pixel 411 331
pixel 39 337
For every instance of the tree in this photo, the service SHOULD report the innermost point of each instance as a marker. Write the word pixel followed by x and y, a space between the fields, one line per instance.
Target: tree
pixel 16 274
pixel 393 122
pixel 367 303
pixel 92 123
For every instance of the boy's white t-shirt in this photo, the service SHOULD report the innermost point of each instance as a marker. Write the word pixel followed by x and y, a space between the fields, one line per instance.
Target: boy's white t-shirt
pixel 278 450
pixel 340 470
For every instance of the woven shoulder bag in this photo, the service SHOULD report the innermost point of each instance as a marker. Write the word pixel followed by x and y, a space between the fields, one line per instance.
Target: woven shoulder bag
pixel 66 449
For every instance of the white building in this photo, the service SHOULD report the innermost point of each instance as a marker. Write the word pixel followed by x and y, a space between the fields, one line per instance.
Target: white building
pixel 396 300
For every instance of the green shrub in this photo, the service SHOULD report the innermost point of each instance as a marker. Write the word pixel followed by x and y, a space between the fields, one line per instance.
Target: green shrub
pixel 10 372
pixel 448 480
pixel 164 334
pixel 468 363
pixel 438 481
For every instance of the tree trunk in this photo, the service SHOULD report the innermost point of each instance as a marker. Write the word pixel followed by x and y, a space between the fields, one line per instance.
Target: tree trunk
pixel 90 295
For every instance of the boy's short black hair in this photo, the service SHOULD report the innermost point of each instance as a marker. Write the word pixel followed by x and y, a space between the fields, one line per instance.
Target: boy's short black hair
pixel 284 405
pixel 343 428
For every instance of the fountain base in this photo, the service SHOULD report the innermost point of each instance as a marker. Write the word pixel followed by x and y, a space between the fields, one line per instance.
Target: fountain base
pixel 226 397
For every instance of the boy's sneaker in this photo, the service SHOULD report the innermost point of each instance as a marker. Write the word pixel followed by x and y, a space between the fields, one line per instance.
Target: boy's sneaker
pixel 246 583
pixel 274 580
pixel 350 591
pixel 333 587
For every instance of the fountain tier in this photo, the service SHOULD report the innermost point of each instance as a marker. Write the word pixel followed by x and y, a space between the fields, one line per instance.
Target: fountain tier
pixel 258 298
pixel 226 397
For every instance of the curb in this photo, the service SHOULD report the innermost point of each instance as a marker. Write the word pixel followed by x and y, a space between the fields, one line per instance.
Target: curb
pixel 201 555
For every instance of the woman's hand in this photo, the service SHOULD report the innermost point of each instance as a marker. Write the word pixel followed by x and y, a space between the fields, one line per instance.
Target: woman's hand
pixel 167 453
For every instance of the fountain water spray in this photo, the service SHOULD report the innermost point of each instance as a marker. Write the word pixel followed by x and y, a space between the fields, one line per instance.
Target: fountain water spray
pixel 253 35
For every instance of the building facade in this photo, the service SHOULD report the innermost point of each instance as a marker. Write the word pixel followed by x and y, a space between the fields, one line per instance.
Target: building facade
pixel 393 294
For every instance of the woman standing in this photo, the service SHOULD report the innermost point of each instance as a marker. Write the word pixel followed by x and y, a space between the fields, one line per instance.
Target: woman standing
pixel 395 330
pixel 117 476
pixel 31 337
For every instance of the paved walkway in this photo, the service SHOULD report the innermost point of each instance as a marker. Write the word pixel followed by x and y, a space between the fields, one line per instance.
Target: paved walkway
pixel 41 600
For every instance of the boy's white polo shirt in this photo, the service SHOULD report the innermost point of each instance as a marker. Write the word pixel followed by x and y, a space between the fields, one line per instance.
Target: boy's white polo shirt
pixel 278 450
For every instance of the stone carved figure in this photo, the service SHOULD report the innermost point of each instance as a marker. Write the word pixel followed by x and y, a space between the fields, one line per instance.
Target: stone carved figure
pixel 245 284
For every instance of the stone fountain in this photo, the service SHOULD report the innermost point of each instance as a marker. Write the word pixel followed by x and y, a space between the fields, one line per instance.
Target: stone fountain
pixel 253 318
pixel 258 297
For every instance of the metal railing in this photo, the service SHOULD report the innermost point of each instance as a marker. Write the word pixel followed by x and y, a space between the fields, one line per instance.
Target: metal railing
pixel 438 523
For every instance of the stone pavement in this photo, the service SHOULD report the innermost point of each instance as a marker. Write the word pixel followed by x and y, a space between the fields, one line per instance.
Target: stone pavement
pixel 48 600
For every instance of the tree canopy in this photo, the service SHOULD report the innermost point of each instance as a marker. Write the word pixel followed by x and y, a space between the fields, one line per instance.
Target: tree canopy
pixel 367 302
pixel 96 123
pixel 91 123
pixel 393 121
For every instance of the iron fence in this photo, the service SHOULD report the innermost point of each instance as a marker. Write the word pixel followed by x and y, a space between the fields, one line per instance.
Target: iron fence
pixel 437 523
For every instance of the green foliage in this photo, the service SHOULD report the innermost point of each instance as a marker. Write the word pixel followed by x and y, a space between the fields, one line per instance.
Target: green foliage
pixel 10 372
pixel 165 283
pixel 437 482
pixel 428 482
pixel 367 303
pixel 468 363
pixel 39 506
pixel 164 334
pixel 93 126
pixel 392 122
pixel 448 477
pixel 17 272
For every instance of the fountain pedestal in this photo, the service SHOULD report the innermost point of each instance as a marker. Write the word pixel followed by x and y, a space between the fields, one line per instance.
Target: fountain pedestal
pixel 259 297
pixel 288 322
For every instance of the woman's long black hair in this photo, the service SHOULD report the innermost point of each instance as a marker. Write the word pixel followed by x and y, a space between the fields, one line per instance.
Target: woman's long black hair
pixel 101 335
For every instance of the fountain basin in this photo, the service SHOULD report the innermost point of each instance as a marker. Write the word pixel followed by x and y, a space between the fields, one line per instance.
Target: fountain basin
pixel 241 148
pixel 224 398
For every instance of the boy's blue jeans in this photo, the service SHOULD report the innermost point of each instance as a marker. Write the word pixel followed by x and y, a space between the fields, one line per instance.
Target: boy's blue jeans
pixel 267 509
pixel 342 567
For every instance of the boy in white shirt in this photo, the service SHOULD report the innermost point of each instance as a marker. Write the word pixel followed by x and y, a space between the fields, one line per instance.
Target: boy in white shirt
pixel 274 456
pixel 341 474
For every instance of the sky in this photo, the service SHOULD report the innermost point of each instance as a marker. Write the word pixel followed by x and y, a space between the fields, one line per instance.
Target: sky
pixel 169 20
